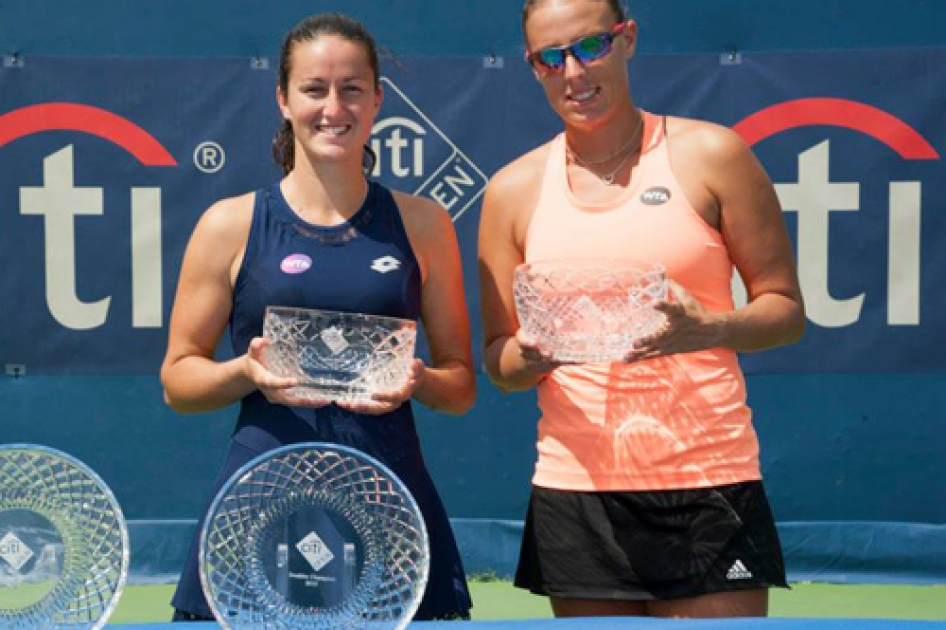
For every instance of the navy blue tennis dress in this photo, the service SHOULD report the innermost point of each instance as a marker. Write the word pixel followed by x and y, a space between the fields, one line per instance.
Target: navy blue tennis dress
pixel 365 265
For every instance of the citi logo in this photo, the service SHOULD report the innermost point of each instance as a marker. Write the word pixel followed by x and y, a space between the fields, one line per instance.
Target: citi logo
pixel 14 551
pixel 334 339
pixel 655 196
pixel 315 551
pixel 59 201
pixel 815 197
pixel 413 153
pixel 395 153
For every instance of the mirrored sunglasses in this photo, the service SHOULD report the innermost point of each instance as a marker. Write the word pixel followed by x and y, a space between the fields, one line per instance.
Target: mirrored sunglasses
pixel 586 49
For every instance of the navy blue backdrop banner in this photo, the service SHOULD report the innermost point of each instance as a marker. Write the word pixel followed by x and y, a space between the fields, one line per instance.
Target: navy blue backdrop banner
pixel 106 165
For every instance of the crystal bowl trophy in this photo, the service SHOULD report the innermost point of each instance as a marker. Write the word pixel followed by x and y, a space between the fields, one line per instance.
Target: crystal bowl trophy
pixel 63 542
pixel 337 356
pixel 314 536
pixel 589 311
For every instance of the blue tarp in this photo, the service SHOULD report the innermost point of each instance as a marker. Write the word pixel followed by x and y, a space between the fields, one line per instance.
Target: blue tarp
pixel 839 552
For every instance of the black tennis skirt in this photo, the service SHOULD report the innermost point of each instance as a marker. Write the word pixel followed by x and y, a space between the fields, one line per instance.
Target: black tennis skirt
pixel 640 546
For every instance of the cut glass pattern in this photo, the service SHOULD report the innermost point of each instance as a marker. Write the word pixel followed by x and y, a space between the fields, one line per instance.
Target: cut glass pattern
pixel 360 539
pixel 63 542
pixel 339 356
pixel 589 311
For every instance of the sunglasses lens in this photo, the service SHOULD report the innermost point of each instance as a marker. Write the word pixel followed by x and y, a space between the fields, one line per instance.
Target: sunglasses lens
pixel 591 48
pixel 551 58
pixel 584 50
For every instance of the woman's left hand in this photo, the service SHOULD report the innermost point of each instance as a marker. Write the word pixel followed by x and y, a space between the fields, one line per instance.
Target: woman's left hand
pixel 688 327
pixel 386 402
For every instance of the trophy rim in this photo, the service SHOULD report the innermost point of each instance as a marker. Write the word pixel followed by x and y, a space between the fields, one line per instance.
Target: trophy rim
pixel 106 491
pixel 367 317
pixel 311 446
pixel 583 263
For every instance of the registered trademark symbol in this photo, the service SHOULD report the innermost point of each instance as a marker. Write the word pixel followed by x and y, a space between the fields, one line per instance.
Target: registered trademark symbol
pixel 209 157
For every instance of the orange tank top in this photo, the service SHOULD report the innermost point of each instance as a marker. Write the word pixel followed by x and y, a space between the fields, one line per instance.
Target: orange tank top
pixel 673 422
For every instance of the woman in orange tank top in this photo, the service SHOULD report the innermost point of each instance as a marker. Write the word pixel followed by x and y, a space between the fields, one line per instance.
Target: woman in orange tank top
pixel 647 497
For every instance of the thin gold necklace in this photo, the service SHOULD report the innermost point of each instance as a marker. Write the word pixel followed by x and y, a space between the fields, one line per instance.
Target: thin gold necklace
pixel 608 178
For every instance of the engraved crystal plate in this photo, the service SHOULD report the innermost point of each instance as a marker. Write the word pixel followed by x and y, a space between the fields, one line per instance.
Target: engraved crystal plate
pixel 314 536
pixel 589 311
pixel 63 542
pixel 339 356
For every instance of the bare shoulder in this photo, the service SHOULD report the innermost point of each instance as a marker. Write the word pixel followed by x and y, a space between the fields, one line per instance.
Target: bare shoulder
pixel 705 142
pixel 222 231
pixel 711 155
pixel 429 229
pixel 422 217
pixel 511 197
pixel 228 218
pixel 520 178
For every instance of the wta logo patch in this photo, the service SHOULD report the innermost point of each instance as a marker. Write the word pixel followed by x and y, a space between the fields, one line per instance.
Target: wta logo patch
pixel 655 196
pixel 295 263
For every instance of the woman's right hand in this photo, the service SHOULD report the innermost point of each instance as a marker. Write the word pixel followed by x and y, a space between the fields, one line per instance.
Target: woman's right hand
pixel 536 358
pixel 275 388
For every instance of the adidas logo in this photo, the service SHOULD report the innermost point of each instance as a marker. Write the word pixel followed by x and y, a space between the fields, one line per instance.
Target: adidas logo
pixel 738 571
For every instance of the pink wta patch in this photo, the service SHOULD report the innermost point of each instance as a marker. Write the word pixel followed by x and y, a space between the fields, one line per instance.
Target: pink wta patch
pixel 295 263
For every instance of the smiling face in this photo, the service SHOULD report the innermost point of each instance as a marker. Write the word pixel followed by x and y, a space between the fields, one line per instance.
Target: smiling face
pixel 331 98
pixel 584 95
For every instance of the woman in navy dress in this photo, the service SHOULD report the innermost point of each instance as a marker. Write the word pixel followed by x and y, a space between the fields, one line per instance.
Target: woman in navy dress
pixel 324 237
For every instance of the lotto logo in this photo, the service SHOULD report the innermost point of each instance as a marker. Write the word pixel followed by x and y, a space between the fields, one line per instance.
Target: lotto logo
pixel 414 155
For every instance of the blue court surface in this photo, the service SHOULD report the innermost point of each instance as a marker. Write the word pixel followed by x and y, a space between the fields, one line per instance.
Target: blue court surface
pixel 614 623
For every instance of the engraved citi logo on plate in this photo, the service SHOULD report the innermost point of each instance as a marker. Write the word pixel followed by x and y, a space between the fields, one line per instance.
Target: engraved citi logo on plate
pixel 315 551
pixel 334 339
pixel 14 551
pixel 414 155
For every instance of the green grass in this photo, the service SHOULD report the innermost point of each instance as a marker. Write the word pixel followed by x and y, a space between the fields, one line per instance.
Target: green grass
pixel 497 599
pixel 500 600
pixel 144 604
pixel 861 601
pixel 25 595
